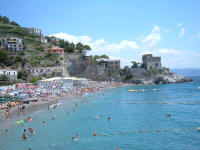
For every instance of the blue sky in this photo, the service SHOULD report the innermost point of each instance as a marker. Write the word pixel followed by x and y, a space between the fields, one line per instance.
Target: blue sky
pixel 123 29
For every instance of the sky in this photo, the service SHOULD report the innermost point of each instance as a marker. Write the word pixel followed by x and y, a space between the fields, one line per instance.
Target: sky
pixel 121 29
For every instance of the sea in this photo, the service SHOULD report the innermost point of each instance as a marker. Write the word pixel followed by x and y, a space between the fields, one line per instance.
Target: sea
pixel 163 117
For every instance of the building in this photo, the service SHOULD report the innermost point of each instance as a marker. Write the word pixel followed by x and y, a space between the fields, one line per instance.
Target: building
pixel 12 74
pixel 151 62
pixel 59 52
pixel 34 31
pixel 43 40
pixel 110 64
pixel 44 70
pixel 54 40
pixel 14 44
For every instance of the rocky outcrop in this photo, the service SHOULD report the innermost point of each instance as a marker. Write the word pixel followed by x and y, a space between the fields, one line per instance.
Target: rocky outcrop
pixel 160 79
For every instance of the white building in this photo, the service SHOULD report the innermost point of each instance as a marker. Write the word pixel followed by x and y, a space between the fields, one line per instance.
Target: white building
pixel 12 74
pixel 34 31
pixel 43 40
pixel 51 82
pixel 44 70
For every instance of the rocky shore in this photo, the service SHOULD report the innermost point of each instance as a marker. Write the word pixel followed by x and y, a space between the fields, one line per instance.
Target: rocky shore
pixel 160 79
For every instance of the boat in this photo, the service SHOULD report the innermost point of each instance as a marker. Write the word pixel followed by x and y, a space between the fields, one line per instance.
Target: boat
pixel 132 90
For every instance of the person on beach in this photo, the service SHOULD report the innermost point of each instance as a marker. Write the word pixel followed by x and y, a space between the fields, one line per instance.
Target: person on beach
pixel 18 111
pixel 23 108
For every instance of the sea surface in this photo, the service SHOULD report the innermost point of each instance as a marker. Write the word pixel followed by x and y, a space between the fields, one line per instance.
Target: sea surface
pixel 131 115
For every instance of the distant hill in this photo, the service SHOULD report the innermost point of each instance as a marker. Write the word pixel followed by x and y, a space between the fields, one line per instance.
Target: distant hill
pixel 187 72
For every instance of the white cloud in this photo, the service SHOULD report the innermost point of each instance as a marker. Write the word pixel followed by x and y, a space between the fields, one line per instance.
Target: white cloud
pixel 71 38
pixel 153 38
pixel 182 32
pixel 101 46
pixel 180 24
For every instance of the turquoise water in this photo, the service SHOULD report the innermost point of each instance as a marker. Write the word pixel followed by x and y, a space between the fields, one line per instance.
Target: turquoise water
pixel 128 111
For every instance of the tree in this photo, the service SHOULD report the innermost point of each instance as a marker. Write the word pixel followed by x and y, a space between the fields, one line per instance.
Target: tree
pixel 80 47
pixel 135 64
pixel 33 80
pixel 14 23
pixel 5 19
pixel 70 48
pixel 3 57
pixel 22 75
pixel 4 78
pixel 128 76
pixel 86 48
pixel 104 56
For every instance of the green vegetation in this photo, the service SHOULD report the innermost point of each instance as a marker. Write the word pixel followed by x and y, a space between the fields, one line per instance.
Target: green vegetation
pixel 135 64
pixel 71 47
pixel 4 78
pixel 101 57
pixel 6 20
pixel 3 58
pixel 22 75
pixel 152 72
pixel 128 76
pixel 34 79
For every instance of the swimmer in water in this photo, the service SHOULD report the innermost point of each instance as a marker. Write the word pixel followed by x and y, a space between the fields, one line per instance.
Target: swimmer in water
pixel 31 131
pixel 25 131
pixel 75 137
pixel 25 136
pixel 109 118
pixel 44 123
pixel 6 131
